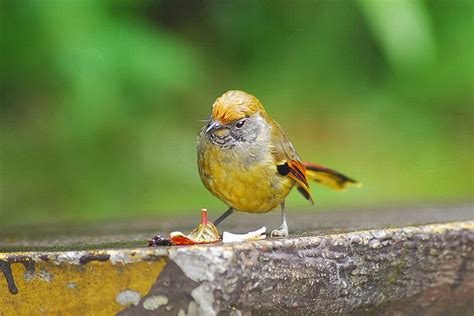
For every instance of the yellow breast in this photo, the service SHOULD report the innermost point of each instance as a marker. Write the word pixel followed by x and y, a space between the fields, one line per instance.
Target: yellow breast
pixel 245 186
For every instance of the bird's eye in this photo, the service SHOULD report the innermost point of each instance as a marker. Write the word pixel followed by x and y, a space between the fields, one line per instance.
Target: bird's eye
pixel 240 124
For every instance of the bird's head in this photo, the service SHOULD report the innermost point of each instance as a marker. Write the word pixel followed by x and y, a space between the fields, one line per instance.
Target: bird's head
pixel 236 117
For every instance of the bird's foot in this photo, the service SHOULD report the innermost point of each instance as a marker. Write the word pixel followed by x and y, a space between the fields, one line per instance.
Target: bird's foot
pixel 280 232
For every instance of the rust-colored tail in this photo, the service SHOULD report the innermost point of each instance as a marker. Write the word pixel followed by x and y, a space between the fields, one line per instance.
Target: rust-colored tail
pixel 328 177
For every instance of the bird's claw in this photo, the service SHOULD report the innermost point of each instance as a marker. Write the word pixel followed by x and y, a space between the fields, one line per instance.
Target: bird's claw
pixel 280 232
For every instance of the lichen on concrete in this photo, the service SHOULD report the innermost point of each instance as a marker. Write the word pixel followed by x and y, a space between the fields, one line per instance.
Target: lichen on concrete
pixel 128 297
pixel 154 302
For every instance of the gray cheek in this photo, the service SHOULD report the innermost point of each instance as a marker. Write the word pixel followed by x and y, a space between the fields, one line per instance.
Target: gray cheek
pixel 237 135
pixel 253 134
pixel 247 135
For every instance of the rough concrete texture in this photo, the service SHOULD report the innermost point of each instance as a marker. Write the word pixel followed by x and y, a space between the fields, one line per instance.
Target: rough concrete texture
pixel 424 269
pixel 132 233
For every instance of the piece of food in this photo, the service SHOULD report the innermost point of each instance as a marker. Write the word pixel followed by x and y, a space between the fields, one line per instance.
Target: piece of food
pixel 159 240
pixel 204 233
pixel 255 235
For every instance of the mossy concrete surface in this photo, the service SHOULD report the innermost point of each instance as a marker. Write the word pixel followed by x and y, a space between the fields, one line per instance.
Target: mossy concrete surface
pixel 407 269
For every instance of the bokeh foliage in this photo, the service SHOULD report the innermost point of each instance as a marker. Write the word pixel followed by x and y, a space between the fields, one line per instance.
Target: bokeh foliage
pixel 100 100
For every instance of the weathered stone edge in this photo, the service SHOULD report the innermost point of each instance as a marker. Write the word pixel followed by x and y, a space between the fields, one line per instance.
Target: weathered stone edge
pixel 337 273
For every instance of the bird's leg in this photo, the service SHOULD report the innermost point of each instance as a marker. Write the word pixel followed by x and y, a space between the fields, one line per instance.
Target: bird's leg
pixel 283 230
pixel 223 216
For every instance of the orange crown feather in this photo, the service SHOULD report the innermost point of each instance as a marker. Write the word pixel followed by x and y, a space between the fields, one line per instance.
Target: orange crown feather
pixel 235 105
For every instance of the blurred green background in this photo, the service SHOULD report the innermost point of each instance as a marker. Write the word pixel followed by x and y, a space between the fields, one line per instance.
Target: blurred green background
pixel 101 100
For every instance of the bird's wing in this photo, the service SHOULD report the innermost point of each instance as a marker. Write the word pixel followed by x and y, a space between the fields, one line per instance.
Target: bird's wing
pixel 288 162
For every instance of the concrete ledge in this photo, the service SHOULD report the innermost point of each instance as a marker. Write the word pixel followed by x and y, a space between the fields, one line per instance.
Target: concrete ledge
pixel 427 268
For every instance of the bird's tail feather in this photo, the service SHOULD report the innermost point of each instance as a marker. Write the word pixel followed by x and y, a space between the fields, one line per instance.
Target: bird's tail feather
pixel 328 177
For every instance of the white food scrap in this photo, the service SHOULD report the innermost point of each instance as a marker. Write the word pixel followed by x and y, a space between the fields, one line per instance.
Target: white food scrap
pixel 255 235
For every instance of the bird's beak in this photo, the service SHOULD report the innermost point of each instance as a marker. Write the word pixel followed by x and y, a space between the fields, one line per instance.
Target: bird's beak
pixel 213 126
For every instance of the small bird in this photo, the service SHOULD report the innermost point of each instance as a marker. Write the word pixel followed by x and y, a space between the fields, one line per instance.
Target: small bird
pixel 246 160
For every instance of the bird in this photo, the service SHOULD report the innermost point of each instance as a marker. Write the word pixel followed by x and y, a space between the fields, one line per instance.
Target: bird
pixel 246 160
